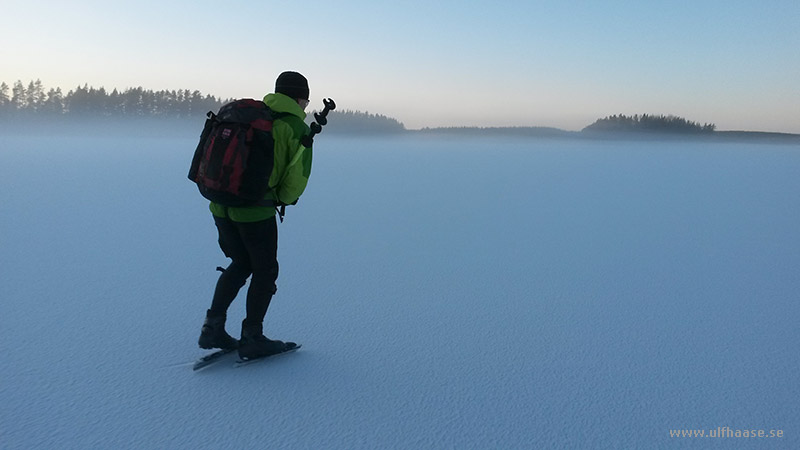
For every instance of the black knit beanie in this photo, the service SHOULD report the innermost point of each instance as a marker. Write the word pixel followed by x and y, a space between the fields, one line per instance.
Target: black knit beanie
pixel 292 84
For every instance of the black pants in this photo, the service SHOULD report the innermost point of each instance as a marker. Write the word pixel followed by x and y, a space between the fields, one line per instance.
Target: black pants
pixel 253 249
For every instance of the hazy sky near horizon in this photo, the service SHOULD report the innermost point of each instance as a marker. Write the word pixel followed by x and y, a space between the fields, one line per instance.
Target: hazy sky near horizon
pixel 434 63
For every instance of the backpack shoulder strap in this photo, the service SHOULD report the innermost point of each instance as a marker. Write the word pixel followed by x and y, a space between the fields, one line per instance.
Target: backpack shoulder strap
pixel 278 115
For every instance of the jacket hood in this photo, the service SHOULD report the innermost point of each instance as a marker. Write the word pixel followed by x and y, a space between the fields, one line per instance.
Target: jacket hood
pixel 284 104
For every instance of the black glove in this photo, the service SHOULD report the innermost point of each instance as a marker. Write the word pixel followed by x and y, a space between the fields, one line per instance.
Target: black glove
pixel 307 141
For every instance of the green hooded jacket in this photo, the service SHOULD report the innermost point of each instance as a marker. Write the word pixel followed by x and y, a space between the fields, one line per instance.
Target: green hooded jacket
pixel 292 165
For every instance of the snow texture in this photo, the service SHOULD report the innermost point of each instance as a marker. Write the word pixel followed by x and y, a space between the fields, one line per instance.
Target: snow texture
pixel 475 293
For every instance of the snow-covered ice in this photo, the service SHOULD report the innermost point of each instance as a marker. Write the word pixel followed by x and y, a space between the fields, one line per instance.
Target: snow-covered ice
pixel 448 293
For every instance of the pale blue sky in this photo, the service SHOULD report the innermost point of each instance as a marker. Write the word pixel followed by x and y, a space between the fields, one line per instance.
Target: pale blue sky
pixel 434 63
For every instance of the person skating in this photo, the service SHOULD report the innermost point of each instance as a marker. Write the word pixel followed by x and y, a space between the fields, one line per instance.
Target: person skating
pixel 249 235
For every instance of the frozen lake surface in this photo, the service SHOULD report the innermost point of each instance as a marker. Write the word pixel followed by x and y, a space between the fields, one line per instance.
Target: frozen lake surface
pixel 473 293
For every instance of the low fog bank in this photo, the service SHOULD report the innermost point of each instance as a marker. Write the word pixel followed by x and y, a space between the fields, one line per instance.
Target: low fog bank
pixel 191 127
pixel 716 136
pixel 643 136
pixel 101 126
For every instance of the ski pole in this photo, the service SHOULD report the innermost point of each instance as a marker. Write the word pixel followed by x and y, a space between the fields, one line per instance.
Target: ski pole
pixel 321 119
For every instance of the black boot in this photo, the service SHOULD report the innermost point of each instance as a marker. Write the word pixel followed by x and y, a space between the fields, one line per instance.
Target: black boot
pixel 255 345
pixel 213 334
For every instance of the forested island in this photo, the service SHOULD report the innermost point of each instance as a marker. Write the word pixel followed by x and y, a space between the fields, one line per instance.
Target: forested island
pixel 22 106
pixel 649 123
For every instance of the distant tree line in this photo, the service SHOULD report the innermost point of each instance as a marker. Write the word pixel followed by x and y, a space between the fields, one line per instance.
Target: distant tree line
pixel 89 101
pixel 357 122
pixel 36 101
pixel 649 123
pixel 497 131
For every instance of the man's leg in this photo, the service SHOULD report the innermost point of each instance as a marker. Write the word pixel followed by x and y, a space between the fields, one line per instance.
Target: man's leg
pixel 231 280
pixel 235 275
pixel 261 241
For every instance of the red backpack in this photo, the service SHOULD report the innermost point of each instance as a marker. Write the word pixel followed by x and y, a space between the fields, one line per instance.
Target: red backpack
pixel 234 159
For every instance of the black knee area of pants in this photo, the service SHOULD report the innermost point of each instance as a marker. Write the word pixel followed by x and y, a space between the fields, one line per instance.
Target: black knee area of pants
pixel 252 247
pixel 236 274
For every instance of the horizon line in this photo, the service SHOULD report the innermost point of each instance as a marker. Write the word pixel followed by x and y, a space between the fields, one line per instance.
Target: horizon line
pixel 366 111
